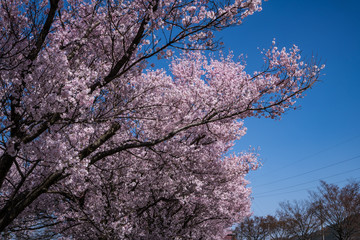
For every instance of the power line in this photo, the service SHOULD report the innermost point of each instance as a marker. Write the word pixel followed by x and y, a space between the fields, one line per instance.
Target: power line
pixel 317 153
pixel 311 171
pixel 334 175
pixel 304 189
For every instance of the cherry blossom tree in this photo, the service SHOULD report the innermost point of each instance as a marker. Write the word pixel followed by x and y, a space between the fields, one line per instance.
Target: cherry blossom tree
pixel 98 144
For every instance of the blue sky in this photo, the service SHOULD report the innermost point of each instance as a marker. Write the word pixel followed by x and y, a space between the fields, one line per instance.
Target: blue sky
pixel 321 140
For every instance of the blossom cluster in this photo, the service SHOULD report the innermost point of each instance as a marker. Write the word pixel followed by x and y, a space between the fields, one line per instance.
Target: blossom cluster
pixel 94 145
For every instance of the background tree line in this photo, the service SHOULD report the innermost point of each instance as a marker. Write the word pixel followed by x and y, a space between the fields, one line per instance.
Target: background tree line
pixel 329 213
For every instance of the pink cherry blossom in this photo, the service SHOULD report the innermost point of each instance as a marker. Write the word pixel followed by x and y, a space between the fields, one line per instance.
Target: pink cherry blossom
pixel 96 144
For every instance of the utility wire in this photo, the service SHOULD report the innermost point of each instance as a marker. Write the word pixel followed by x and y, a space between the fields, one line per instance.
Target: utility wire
pixel 317 153
pixel 315 170
pixel 299 190
pixel 284 188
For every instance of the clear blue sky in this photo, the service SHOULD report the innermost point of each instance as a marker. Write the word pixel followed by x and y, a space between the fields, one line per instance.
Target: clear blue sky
pixel 325 132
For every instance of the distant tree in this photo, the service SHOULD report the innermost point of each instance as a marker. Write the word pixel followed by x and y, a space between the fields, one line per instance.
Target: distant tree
pixel 278 228
pixel 339 208
pixel 300 219
pixel 253 228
